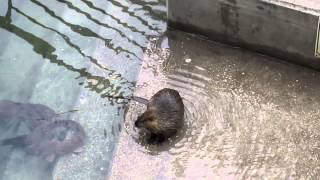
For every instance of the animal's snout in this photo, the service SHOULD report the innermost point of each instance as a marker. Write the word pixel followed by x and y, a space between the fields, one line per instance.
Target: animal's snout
pixel 138 124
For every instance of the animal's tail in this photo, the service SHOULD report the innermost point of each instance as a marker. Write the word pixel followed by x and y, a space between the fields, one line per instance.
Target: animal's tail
pixel 140 100
pixel 18 141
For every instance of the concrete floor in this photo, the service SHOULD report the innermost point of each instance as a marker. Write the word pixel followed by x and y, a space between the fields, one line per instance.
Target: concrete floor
pixel 248 116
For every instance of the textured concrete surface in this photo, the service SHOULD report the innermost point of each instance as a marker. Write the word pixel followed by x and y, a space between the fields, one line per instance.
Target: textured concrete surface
pixel 277 28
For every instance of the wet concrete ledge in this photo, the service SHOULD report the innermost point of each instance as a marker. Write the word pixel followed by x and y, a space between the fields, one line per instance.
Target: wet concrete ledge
pixel 273 27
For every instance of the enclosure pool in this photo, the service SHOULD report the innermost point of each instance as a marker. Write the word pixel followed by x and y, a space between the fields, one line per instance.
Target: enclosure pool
pixel 248 116
pixel 67 55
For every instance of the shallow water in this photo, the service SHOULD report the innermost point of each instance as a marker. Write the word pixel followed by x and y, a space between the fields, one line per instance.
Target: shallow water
pixel 248 116
pixel 68 55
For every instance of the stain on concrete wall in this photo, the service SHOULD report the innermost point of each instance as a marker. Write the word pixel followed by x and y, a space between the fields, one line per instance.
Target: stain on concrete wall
pixel 229 17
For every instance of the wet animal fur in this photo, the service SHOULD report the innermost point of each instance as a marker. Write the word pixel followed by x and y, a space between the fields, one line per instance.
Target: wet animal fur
pixel 164 116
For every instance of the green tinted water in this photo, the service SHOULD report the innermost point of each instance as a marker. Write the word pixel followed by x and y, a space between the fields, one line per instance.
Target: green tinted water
pixel 68 55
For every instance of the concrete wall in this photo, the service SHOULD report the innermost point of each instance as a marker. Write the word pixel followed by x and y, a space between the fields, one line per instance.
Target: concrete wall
pixel 284 32
pixel 318 42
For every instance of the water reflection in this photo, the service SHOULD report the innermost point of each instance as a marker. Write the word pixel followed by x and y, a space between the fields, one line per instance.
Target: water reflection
pixel 84 31
pixel 94 83
pixel 149 8
pixel 118 49
pixel 125 9
pixel 65 37
pixel 34 129
pixel 123 24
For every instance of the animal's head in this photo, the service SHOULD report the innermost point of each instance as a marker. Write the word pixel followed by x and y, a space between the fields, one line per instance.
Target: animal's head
pixel 148 121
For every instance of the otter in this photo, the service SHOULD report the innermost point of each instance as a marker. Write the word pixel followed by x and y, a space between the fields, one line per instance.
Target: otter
pixel 164 116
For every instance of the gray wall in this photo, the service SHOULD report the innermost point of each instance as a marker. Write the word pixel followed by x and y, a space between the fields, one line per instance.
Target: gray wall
pixel 318 42
pixel 275 30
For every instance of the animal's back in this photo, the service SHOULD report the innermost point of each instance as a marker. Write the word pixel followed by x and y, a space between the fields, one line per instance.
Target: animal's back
pixel 167 99
pixel 168 105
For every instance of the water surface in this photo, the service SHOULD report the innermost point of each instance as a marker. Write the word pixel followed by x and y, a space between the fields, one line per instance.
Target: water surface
pixel 248 116
pixel 68 55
